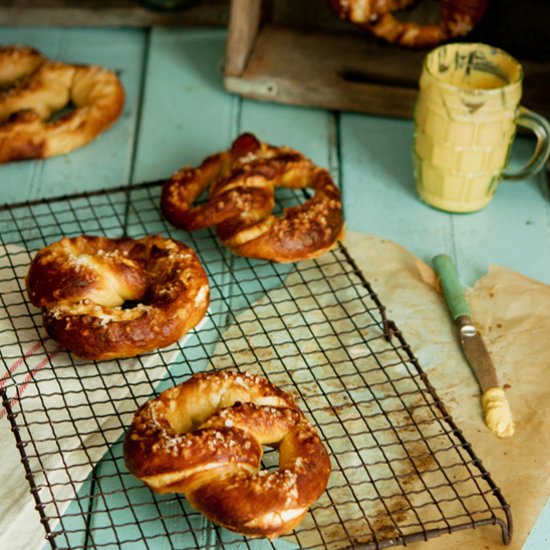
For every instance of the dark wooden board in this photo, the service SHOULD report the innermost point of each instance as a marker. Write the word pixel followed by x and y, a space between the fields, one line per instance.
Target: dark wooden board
pixel 119 13
pixel 329 70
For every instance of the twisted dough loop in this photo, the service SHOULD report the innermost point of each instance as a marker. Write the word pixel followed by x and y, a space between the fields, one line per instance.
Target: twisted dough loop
pixel 241 184
pixel 204 438
pixel 36 89
pixel 17 62
pixel 84 284
pixel 458 18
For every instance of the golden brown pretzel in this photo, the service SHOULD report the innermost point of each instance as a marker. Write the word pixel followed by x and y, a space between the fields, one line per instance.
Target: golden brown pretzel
pixel 204 438
pixel 34 89
pixel 458 18
pixel 241 184
pixel 84 284
pixel 18 61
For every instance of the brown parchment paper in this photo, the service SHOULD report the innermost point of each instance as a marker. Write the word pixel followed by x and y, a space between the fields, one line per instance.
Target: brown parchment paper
pixel 513 314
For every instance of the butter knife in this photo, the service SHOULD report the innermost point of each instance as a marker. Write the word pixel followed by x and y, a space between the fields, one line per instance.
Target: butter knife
pixel 496 409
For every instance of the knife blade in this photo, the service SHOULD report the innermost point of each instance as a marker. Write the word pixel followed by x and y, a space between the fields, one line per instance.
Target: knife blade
pixel 496 409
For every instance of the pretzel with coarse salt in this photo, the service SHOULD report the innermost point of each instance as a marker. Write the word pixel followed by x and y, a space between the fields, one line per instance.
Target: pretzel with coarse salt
pixel 204 438
pixel 105 298
pixel 241 183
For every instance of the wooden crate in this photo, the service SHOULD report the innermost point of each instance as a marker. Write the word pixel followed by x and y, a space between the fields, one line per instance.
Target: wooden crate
pixel 300 53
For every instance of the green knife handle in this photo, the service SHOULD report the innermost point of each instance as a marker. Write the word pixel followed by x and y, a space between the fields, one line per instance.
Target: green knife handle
pixel 448 277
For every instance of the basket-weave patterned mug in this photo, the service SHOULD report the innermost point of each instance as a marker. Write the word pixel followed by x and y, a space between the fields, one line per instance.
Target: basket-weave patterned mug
pixel 466 116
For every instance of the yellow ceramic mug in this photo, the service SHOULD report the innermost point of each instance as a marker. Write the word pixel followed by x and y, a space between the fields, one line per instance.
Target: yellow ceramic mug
pixel 465 122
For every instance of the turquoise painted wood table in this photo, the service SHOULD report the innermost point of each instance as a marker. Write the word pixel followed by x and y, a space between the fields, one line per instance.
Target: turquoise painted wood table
pixel 177 112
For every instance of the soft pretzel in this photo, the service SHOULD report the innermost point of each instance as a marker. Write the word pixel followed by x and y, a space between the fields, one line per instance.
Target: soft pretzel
pixel 104 298
pixel 241 184
pixel 34 89
pixel 458 18
pixel 204 438
pixel 16 62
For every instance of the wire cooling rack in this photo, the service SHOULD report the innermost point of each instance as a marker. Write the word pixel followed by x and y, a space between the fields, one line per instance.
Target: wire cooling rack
pixel 401 469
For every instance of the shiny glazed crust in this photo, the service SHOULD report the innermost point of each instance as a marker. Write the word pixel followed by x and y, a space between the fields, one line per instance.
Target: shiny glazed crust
pixel 204 439
pixel 241 184
pixel 34 89
pixel 105 298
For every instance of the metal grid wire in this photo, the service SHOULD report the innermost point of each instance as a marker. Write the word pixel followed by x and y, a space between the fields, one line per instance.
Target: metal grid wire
pixel 401 470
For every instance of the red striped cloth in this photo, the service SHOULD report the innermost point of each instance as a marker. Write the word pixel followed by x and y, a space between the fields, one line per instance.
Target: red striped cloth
pixel 56 398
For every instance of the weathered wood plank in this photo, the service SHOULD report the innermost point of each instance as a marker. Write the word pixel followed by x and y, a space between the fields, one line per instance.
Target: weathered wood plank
pixel 116 13
pixel 333 71
pixel 244 23
pixel 186 114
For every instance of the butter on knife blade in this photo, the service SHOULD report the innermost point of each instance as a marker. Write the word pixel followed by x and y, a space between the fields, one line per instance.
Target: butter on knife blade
pixel 496 409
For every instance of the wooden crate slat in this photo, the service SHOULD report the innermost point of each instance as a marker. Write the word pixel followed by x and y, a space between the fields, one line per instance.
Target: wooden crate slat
pixel 334 71
pixel 244 21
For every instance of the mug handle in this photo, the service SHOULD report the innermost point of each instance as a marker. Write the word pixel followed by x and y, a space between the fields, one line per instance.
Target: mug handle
pixel 541 128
